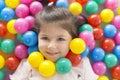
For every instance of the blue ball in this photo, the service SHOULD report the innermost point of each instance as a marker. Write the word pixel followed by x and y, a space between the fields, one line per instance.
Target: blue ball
pixel 7 14
pixel 110 31
pixel 32 49
pixel 116 51
pixel 2 4
pixel 62 3
pixel 30 38
pixel 85 53
pixel 98 54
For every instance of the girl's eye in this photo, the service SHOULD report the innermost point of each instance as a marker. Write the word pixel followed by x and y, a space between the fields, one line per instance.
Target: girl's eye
pixel 44 38
pixel 61 39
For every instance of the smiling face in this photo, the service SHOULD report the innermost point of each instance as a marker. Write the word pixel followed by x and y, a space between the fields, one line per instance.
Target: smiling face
pixel 53 41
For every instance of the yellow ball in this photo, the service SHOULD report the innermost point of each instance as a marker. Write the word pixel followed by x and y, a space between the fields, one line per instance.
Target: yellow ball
pixel 75 8
pixel 12 3
pixel 47 68
pixel 10 27
pixel 107 15
pixel 77 45
pixel 103 78
pixel 118 10
pixel 2 62
pixel 35 58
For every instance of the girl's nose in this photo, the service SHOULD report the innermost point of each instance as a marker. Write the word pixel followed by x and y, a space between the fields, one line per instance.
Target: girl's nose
pixel 52 45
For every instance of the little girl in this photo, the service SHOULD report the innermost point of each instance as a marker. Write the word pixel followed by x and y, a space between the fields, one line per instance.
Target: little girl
pixel 56 27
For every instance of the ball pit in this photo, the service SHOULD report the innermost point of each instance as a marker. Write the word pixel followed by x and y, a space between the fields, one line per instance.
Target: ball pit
pixel 101 19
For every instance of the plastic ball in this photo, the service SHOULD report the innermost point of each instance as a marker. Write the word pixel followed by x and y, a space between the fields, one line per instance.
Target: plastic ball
pixel 2 61
pixel 35 58
pixel 2 75
pixel 62 3
pixel 94 20
pixel 87 36
pixel 52 0
pixel 108 29
pixel 21 25
pixel 21 51
pixel 32 49
pixel 115 72
pixel 30 38
pixel 74 58
pixel 117 38
pixel 116 51
pixel 103 77
pixel 31 21
pixel 99 1
pixel 108 44
pixel 86 52
pixel 98 33
pixel 118 10
pixel 116 22
pixel 111 4
pixel 10 27
pixel 35 7
pixel 7 14
pixel 19 38
pixel 3 29
pixel 22 11
pixel 83 19
pixel 92 45
pixel 26 1
pixel 82 2
pixel 47 68
pixel 12 63
pixel 77 45
pixel 106 15
pixel 99 68
pixel 7 46
pixel 97 54
pixel 75 8
pixel 91 7
pixel 110 60
pixel 12 3
pixel 63 65
pixel 87 27
pixel 2 4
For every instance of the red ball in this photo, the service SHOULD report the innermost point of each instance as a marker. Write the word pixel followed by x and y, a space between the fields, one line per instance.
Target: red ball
pixel 3 29
pixel 52 0
pixel 94 20
pixel 12 63
pixel 74 58
pixel 115 72
pixel 98 33
pixel 108 44
pixel 82 2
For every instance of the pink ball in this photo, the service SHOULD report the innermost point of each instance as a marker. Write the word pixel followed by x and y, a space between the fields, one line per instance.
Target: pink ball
pixel 26 1
pixel 21 25
pixel 31 21
pixel 87 37
pixel 111 4
pixel 99 68
pixel 117 38
pixel 22 10
pixel 116 21
pixel 21 51
pixel 92 45
pixel 35 7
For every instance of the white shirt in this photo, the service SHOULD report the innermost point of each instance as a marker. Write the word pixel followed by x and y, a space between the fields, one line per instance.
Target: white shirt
pixel 81 72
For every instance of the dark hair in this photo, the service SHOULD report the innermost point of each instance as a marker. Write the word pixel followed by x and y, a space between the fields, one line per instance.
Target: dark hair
pixel 62 16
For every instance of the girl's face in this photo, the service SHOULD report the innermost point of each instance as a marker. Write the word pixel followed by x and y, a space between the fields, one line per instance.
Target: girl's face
pixel 53 41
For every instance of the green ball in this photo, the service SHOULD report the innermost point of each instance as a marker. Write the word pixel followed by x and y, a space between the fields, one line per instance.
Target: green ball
pixel 63 65
pixel 86 27
pixel 99 1
pixel 91 7
pixel 2 75
pixel 110 60
pixel 7 46
pixel 1 39
pixel 20 38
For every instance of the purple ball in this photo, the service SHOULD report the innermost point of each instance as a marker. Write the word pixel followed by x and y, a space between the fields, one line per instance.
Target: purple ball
pixel 21 51
pixel 117 38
